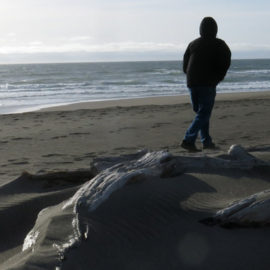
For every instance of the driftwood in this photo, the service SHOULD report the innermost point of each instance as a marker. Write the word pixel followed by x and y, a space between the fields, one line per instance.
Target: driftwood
pixel 59 228
pixel 237 158
pixel 253 211
pixel 116 173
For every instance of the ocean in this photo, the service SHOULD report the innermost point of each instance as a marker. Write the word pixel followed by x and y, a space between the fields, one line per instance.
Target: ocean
pixel 28 87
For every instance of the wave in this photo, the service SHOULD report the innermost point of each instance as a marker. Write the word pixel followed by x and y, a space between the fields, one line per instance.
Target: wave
pixel 255 71
pixel 253 85
pixel 123 82
pixel 50 84
pixel 163 71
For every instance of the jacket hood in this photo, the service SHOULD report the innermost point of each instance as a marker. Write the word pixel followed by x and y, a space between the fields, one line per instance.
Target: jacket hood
pixel 208 28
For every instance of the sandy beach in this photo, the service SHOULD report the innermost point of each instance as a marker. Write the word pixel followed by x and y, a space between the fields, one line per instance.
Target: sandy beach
pixel 68 137
pixel 131 229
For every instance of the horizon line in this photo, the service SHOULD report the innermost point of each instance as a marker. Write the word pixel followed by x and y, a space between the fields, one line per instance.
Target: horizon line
pixel 116 61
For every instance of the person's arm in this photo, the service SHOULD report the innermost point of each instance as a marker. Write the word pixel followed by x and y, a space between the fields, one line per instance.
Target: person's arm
pixel 186 59
pixel 224 60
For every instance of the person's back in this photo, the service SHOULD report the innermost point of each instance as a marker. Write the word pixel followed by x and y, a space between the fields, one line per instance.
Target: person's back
pixel 207 58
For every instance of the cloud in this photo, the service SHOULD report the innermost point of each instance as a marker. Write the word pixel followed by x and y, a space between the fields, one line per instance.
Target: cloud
pixel 11 34
pixel 35 43
pixel 83 48
pixel 249 47
pixel 81 38
pixel 136 47
pixel 76 46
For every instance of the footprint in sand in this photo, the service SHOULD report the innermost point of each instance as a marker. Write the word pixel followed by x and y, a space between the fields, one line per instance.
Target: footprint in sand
pixel 52 155
pixel 20 163
pixel 79 133
pixel 20 139
pixel 250 113
pixel 157 125
pixel 58 137
pixel 226 116
pixel 126 128
pixel 91 154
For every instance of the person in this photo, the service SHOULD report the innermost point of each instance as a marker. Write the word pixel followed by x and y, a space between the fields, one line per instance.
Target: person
pixel 206 61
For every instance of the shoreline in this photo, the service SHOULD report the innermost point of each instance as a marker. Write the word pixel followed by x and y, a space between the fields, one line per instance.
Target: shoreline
pixel 144 101
pixel 140 101
pixel 155 100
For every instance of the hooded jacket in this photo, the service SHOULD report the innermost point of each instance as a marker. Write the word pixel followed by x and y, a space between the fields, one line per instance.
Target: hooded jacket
pixel 207 58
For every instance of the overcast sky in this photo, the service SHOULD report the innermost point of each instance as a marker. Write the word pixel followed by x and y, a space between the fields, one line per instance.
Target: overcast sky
pixel 92 30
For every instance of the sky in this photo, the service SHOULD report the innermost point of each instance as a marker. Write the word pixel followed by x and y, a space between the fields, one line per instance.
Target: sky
pixel 123 30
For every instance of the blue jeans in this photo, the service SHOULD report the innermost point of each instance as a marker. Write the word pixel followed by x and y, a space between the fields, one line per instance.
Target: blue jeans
pixel 203 99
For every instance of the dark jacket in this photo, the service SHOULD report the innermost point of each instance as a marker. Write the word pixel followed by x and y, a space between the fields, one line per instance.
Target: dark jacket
pixel 207 58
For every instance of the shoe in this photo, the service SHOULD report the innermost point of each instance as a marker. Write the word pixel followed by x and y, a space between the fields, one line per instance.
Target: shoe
pixel 189 146
pixel 210 145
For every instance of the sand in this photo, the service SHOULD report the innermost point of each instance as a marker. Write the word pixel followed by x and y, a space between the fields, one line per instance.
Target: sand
pixel 61 139
pixel 151 224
